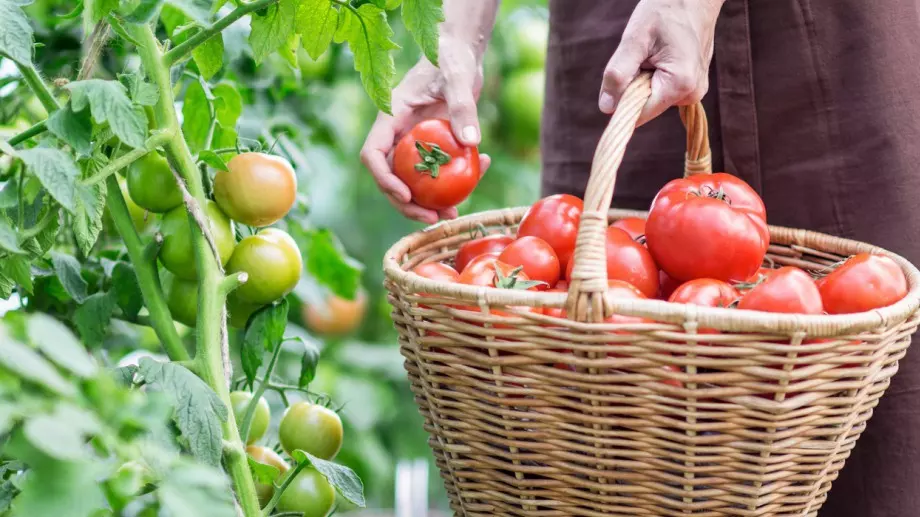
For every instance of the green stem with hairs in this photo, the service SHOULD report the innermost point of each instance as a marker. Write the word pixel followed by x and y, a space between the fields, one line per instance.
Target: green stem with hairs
pixel 35 130
pixel 30 75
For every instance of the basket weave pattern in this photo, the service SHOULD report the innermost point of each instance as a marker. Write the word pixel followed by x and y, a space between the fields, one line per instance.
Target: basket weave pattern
pixel 531 415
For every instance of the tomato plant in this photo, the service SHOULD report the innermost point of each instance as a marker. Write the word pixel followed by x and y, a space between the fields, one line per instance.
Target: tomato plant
pixel 788 289
pixel 177 253
pixel 862 283
pixel 472 249
pixel 257 189
pixel 151 184
pixel 439 170
pixel 536 257
pixel 311 428
pixel 554 219
pixel 309 495
pixel 272 261
pixel 269 457
pixel 239 401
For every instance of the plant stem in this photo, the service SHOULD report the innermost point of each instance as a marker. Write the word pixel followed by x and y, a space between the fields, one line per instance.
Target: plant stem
pixel 288 479
pixel 35 130
pixel 185 48
pixel 146 271
pixel 257 395
pixel 128 158
pixel 38 87
pixel 39 226
pixel 210 323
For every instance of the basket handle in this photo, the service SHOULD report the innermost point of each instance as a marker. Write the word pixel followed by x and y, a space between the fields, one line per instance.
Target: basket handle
pixel 588 285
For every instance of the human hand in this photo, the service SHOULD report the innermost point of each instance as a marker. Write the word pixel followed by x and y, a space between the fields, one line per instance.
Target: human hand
pixel 426 92
pixel 673 37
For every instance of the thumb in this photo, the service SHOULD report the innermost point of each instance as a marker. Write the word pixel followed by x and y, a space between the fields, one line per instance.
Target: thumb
pixel 461 107
pixel 622 68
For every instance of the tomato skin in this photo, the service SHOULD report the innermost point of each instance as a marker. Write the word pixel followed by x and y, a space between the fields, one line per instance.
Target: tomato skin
pixel 615 289
pixel 672 382
pixel 339 317
pixel 239 312
pixel 437 271
pixel 634 226
pixel 481 271
pixel 256 189
pixel 177 253
pixel 273 262
pixel 787 290
pixel 139 216
pixel 267 456
pixel 554 219
pixel 472 249
pixel 152 185
pixel 705 292
pixel 666 285
pixel 311 428
pixel 536 257
pixel 455 180
pixel 308 494
pixel 693 235
pixel 629 261
pixel 181 298
pixel 239 400
pixel 863 283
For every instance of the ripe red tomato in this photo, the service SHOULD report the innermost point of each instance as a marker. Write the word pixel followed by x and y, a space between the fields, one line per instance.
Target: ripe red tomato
pixel 439 171
pixel 629 261
pixel 666 285
pixel 562 285
pixel 788 290
pixel 437 271
pixel 708 226
pixel 862 283
pixel 672 382
pixel 536 257
pixel 555 220
pixel 256 189
pixel 634 226
pixel 705 292
pixel 472 249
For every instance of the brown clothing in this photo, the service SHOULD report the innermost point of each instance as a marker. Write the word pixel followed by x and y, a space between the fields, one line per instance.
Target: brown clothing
pixel 815 104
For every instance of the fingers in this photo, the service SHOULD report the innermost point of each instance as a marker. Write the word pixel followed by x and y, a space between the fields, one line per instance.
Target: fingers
pixel 622 68
pixel 374 153
pixel 674 86
pixel 412 211
pixel 459 87
pixel 484 162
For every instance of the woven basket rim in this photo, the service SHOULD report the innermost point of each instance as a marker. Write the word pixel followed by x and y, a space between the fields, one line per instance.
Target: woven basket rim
pixel 731 320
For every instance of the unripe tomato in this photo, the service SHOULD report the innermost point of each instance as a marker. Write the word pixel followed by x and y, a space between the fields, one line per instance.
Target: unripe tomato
pixel 309 494
pixel 140 217
pixel 311 428
pixel 862 283
pixel 527 39
pixel 522 106
pixel 177 253
pixel 537 258
pixel 472 249
pixel 238 311
pixel 260 418
pixel 439 170
pixel 181 298
pixel 554 219
pixel 338 317
pixel 266 456
pixel 256 189
pixel 152 184
pixel 272 259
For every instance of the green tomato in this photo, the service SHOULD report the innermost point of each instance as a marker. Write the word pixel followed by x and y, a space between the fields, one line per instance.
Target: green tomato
pixel 260 419
pixel 522 106
pixel 177 253
pixel 181 298
pixel 238 311
pixel 266 456
pixel 273 262
pixel 309 493
pixel 311 428
pixel 527 40
pixel 140 217
pixel 152 185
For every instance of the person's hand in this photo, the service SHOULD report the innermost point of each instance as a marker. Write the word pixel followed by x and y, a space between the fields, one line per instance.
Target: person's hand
pixel 673 37
pixel 426 92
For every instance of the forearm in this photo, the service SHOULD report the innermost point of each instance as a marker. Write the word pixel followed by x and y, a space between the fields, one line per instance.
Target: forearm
pixel 470 22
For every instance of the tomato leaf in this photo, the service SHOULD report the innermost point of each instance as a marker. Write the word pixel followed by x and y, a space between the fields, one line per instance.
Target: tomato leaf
pixel 209 56
pixel 30 366
pixel 272 30
pixel 126 289
pixel 87 221
pixel 92 318
pixel 9 240
pixel 199 411
pixel 56 171
pixel 264 332
pixel 368 35
pixel 328 263
pixel 262 473
pixel 62 433
pixel 422 18
pixel 198 10
pixel 59 344
pixel 15 32
pixel 141 92
pixel 316 23
pixel 172 18
pixel 145 11
pixel 99 9
pixel 308 362
pixel 212 159
pixel 108 102
pixel 77 491
pixel 15 271
pixel 344 479
pixel 192 490
pixel 68 272
pixel 41 243
pixel 228 104
pixel 75 129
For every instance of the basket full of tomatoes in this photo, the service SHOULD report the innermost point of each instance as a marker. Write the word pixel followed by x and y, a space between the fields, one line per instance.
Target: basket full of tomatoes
pixel 692 360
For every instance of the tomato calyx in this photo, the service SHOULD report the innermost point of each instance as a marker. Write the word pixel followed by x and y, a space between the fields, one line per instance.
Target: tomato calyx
pixel 432 158
pixel 513 281
pixel 479 230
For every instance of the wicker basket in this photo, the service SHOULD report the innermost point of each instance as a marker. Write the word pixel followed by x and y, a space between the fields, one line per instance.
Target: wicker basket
pixel 760 420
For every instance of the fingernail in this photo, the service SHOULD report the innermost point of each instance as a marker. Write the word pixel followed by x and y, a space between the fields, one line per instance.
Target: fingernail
pixel 471 135
pixel 606 103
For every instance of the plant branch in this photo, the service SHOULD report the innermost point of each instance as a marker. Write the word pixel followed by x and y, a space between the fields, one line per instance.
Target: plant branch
pixel 279 489
pixel 39 226
pixel 128 158
pixel 185 48
pixel 232 281
pixel 257 395
pixel 35 130
pixel 30 75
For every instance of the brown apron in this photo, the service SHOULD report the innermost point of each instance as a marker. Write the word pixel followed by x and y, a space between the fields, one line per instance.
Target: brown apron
pixel 815 104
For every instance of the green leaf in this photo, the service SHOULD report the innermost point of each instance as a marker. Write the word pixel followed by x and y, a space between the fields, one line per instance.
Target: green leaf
pixel 109 102
pixel 327 262
pixel 9 240
pixel 68 272
pixel 127 290
pixel 30 366
pixel 87 222
pixel 99 9
pixel 15 33
pixel 16 271
pixel 316 23
pixel 77 491
pixel 92 318
pixel 307 363
pixel 62 434
pixel 75 129
pixel 368 35
pixel 272 30
pixel 224 137
pixel 190 490
pixel 9 195
pixel 213 160
pixel 199 411
pixel 209 56
pixel 228 104
pixel 288 51
pixel 264 332
pixel 56 171
pixel 7 491
pixel 422 18
pixel 262 473
pixel 41 243
pixel 198 10
pixel 172 18
pixel 344 479
pixel 145 11
pixel 142 92
pixel 59 344
pixel 196 116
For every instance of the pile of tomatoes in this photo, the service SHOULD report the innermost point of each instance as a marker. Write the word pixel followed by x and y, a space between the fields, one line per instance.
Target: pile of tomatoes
pixel 256 190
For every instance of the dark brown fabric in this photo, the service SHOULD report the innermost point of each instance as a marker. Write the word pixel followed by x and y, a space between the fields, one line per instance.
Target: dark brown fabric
pixel 814 103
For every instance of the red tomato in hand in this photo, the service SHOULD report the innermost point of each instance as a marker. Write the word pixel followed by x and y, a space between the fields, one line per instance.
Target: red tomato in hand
pixel 629 261
pixel 439 171
pixel 536 257
pixel 864 282
pixel 634 226
pixel 708 226
pixel 705 292
pixel 555 220
pixel 788 290
pixel 474 248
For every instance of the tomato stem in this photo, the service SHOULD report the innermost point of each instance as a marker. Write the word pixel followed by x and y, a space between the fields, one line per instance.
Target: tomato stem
pixel 432 158
pixel 257 394
pixel 279 489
